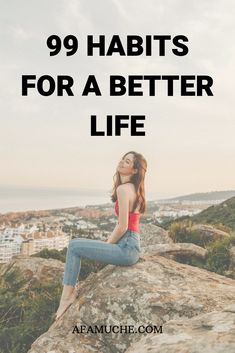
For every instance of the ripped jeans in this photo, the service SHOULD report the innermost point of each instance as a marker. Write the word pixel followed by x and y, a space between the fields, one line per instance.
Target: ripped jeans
pixel 125 252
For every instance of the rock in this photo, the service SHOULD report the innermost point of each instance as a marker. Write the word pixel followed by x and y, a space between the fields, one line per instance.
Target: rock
pixel 151 234
pixel 175 249
pixel 154 291
pixel 36 268
pixel 211 333
pixel 156 240
pixel 209 232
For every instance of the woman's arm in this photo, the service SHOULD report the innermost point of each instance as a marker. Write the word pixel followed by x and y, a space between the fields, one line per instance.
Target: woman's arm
pixel 123 203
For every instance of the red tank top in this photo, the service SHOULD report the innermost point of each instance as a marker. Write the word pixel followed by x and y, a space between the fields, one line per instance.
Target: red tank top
pixel 133 221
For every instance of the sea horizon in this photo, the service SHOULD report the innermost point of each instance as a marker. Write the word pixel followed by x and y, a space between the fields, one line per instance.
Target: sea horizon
pixel 22 198
pixel 19 199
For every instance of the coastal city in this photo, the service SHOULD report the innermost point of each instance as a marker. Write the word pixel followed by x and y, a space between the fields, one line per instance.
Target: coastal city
pixel 27 233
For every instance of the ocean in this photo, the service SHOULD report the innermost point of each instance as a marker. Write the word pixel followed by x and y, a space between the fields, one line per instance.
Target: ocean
pixel 15 199
pixel 25 199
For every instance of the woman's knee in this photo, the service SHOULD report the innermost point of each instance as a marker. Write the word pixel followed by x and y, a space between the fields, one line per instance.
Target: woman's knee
pixel 73 243
pixel 134 260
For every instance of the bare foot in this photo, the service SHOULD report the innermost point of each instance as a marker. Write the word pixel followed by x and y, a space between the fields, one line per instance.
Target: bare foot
pixel 65 304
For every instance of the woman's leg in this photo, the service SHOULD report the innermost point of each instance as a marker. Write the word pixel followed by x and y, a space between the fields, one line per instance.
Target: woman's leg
pixel 94 250
pixel 67 298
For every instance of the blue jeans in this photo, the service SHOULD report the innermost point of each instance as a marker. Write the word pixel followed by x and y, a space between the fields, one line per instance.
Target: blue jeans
pixel 125 252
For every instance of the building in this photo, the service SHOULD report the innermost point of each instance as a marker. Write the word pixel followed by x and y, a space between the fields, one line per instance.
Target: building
pixel 10 245
pixel 22 241
pixel 38 241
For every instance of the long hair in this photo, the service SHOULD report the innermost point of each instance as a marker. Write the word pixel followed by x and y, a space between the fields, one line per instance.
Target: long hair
pixel 137 179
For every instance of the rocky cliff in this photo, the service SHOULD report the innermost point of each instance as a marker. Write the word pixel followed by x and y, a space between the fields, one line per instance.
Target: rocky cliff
pixel 213 332
pixel 36 269
pixel 190 305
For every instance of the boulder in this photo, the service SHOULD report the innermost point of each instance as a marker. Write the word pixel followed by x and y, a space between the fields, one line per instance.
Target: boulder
pixel 36 268
pixel 156 240
pixel 213 332
pixel 151 234
pixel 210 232
pixel 154 291
pixel 175 249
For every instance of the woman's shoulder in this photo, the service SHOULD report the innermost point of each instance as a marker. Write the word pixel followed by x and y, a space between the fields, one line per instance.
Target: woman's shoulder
pixel 126 191
pixel 125 188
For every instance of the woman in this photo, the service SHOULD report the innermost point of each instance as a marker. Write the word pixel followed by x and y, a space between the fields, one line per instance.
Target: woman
pixel 123 245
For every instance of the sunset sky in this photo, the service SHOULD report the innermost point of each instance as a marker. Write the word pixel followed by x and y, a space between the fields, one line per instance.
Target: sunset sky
pixel 46 142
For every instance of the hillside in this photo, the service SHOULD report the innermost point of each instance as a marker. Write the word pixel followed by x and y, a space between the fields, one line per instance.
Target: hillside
pixel 223 213
pixel 205 196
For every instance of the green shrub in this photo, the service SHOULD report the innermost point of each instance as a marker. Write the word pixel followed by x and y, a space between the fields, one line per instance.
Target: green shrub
pixel 25 310
pixel 190 260
pixel 218 256
pixel 52 254
pixel 217 259
pixel 181 232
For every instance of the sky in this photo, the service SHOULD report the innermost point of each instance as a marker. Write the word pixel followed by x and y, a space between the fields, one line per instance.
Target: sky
pixel 45 141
